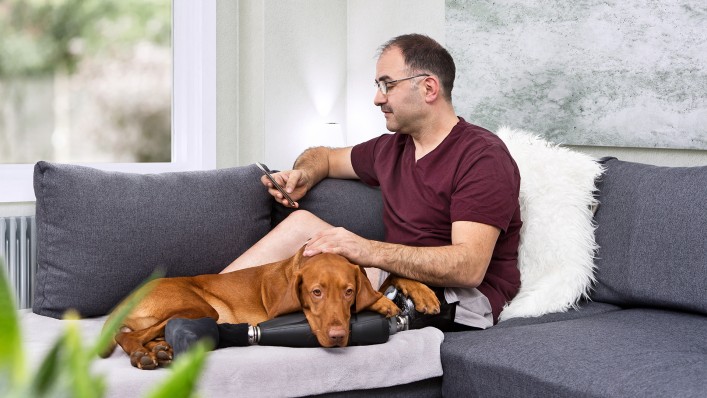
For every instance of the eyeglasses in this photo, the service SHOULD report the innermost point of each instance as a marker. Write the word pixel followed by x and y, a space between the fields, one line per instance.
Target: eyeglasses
pixel 383 85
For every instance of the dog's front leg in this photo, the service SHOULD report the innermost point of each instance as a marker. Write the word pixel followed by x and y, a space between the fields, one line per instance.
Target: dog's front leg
pixel 421 295
pixel 385 307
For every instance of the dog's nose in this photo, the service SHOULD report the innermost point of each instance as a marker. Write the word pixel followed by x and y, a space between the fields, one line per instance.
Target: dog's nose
pixel 337 335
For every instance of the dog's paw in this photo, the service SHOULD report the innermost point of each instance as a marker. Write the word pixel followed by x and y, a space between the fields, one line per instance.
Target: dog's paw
pixel 162 352
pixel 143 360
pixel 426 304
pixel 385 306
pixel 422 296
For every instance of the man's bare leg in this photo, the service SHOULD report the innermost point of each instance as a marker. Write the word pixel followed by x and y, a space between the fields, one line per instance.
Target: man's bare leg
pixel 282 242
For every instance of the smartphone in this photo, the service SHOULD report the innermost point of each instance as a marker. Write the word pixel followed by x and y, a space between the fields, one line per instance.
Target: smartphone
pixel 277 186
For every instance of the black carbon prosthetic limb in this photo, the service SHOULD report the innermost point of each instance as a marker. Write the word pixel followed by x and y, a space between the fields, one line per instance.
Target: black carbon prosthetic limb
pixel 292 330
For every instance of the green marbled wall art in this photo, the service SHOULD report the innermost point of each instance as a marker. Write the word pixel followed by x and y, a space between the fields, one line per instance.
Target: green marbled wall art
pixel 624 73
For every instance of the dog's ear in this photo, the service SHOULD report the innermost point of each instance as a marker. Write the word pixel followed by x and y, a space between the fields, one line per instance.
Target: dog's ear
pixel 283 299
pixel 365 294
pixel 281 296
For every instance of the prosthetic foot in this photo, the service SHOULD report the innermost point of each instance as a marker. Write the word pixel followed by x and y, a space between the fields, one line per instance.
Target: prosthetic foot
pixel 417 320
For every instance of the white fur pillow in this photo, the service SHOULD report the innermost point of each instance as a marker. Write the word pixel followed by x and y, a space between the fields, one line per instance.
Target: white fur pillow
pixel 556 253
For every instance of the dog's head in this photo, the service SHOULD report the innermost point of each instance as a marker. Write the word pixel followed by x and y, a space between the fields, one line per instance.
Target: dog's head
pixel 326 287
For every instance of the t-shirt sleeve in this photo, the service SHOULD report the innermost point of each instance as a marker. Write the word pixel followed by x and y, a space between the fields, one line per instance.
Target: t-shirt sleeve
pixel 486 189
pixel 363 160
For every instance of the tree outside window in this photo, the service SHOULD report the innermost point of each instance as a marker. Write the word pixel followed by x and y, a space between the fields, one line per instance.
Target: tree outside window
pixel 85 81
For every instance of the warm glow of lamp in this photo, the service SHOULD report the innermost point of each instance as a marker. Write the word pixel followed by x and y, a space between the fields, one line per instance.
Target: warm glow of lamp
pixel 327 134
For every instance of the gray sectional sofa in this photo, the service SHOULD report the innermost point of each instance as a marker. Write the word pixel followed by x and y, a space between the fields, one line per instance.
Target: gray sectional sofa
pixel 641 333
pixel 644 332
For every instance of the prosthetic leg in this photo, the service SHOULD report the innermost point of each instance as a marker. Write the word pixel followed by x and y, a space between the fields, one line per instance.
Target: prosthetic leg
pixel 292 330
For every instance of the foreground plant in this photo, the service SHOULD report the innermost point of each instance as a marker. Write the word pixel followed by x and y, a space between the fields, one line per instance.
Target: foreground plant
pixel 66 368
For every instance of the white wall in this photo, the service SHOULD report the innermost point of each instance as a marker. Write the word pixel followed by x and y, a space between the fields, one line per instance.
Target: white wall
pixel 292 66
pixel 228 83
pixel 305 68
pixel 370 24
pixel 284 45
pixel 304 63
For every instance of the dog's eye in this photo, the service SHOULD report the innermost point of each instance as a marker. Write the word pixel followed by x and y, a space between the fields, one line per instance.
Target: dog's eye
pixel 317 292
pixel 349 292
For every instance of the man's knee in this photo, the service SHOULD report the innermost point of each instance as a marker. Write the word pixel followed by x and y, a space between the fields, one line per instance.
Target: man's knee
pixel 302 217
pixel 305 221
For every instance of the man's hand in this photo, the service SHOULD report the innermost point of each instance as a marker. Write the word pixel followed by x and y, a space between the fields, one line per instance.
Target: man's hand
pixel 343 242
pixel 312 166
pixel 293 181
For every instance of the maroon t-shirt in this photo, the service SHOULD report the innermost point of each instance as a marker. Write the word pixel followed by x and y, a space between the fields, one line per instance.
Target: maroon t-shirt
pixel 470 176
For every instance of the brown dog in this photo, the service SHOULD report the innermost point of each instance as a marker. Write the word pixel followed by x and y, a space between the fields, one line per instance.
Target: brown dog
pixel 324 287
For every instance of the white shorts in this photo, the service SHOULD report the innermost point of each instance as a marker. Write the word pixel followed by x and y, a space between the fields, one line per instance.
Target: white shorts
pixel 473 308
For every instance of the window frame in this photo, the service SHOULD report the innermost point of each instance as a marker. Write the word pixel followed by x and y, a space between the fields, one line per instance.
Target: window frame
pixel 193 104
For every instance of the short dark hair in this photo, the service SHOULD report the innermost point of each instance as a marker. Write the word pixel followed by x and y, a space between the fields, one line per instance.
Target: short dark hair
pixel 424 54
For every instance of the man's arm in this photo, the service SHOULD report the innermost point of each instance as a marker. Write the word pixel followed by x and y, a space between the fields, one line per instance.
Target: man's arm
pixel 461 264
pixel 320 162
pixel 312 166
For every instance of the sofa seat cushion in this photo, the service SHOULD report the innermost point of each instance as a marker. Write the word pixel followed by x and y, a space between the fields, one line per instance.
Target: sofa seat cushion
pixel 584 309
pixel 408 357
pixel 627 353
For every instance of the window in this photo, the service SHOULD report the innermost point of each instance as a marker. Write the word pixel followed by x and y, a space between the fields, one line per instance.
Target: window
pixel 192 143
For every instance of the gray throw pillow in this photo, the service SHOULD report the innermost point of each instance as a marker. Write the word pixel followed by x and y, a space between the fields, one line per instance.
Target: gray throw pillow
pixel 100 234
pixel 652 234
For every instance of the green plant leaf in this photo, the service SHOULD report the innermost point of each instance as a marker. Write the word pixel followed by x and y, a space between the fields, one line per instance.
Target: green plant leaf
pixel 12 359
pixel 83 383
pixel 184 373
pixel 66 369
pixel 47 373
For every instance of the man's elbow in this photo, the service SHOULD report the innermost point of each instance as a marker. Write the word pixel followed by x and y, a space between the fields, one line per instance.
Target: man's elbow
pixel 471 281
pixel 474 275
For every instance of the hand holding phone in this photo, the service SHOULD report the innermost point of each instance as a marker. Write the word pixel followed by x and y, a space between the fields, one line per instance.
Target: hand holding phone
pixel 277 186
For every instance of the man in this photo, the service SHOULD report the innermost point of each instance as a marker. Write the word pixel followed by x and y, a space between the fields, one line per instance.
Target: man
pixel 450 192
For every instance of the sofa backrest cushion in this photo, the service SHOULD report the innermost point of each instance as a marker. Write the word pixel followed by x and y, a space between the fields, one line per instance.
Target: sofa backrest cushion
pixel 652 236
pixel 350 204
pixel 100 234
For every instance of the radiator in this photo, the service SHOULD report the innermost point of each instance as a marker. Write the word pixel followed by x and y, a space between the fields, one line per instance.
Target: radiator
pixel 18 237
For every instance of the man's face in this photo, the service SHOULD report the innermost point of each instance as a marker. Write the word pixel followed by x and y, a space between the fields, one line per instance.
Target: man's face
pixel 400 105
